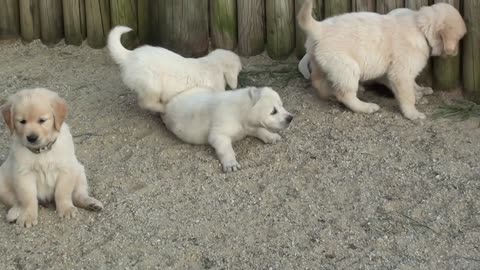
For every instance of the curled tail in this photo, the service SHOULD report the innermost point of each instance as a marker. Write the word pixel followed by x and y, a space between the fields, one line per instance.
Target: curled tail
pixel 305 18
pixel 118 52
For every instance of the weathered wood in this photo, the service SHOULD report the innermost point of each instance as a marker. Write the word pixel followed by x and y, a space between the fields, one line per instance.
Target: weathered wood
pixel 299 34
pixel 97 13
pixel 446 71
pixel 385 6
pixel 144 21
pixel 336 7
pixel 471 50
pixel 29 20
pixel 124 12
pixel 280 28
pixel 74 21
pixel 251 27
pixel 363 5
pixel 223 23
pixel 51 21
pixel 9 19
pixel 181 26
pixel 415 4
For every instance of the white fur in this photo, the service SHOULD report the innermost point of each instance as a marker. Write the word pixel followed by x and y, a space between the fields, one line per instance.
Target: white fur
pixel 201 116
pixel 157 74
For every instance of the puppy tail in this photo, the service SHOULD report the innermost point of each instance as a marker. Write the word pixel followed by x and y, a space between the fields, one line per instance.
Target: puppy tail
pixel 305 18
pixel 118 52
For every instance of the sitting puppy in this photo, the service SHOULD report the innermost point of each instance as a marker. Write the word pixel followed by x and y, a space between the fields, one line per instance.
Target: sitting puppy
pixel 41 165
pixel 157 74
pixel 201 116
pixel 392 48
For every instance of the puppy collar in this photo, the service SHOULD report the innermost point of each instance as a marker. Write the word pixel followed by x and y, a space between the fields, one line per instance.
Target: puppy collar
pixel 44 149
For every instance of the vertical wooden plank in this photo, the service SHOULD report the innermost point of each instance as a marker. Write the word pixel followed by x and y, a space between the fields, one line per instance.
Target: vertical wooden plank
pixel 143 15
pixel 471 50
pixel 97 13
pixel 426 76
pixel 124 12
pixel 446 71
pixel 29 20
pixel 9 19
pixel 251 27
pixel 74 21
pixel 336 7
pixel 385 6
pixel 363 5
pixel 51 21
pixel 182 26
pixel 299 34
pixel 223 23
pixel 280 28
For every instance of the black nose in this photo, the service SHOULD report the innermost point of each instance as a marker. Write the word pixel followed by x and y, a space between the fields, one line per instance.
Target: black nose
pixel 289 118
pixel 32 138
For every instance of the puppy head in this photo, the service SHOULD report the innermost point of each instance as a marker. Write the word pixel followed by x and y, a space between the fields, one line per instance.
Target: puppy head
pixel 230 64
pixel 443 27
pixel 267 110
pixel 35 116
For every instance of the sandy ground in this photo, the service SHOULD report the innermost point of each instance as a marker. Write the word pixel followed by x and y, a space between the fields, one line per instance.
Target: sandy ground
pixel 340 191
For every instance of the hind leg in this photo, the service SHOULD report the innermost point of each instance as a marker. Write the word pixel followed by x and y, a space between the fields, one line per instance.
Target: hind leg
pixel 7 194
pixel 80 195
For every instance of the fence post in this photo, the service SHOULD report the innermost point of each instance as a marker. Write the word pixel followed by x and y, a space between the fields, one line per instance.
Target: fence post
pixel 299 34
pixel 74 21
pixel 280 28
pixel 124 12
pixel 9 19
pixel 385 6
pixel 51 21
pixel 97 13
pixel 446 71
pixel 336 7
pixel 223 23
pixel 143 15
pixel 363 5
pixel 251 27
pixel 29 20
pixel 471 50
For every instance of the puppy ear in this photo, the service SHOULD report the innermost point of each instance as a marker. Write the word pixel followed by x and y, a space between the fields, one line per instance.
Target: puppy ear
pixel 60 111
pixel 8 116
pixel 232 79
pixel 254 94
pixel 427 23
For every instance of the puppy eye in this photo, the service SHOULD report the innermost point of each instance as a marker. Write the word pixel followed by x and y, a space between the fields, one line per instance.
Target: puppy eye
pixel 274 111
pixel 41 121
pixel 23 122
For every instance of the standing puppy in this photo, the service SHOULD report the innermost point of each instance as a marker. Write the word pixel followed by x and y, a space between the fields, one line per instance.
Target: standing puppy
pixel 201 116
pixel 364 46
pixel 41 165
pixel 157 74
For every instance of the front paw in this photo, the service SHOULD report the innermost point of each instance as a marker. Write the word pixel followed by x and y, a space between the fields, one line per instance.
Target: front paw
pixel 68 212
pixel 272 138
pixel 231 166
pixel 23 218
pixel 414 115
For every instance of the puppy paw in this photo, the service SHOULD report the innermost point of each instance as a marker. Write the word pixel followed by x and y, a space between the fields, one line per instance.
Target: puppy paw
pixel 426 90
pixel 67 212
pixel 95 206
pixel 414 115
pixel 231 166
pixel 361 89
pixel 371 108
pixel 272 138
pixel 22 217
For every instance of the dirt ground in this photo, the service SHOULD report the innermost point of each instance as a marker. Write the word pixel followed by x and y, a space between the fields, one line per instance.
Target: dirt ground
pixel 340 191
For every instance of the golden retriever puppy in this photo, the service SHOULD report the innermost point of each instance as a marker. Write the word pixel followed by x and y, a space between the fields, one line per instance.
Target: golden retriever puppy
pixel 392 49
pixel 41 165
pixel 157 74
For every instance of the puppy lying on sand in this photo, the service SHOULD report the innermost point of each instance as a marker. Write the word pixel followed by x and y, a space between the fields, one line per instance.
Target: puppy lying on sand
pixel 392 48
pixel 201 116
pixel 157 74
pixel 41 165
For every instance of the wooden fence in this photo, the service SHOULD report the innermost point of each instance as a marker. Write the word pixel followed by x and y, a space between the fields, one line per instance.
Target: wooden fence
pixel 250 27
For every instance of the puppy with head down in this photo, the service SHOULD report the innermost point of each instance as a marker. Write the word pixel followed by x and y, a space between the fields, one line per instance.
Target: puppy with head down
pixel 391 49
pixel 157 74
pixel 201 116
pixel 41 165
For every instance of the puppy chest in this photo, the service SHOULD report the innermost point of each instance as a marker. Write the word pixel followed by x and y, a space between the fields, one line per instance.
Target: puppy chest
pixel 46 178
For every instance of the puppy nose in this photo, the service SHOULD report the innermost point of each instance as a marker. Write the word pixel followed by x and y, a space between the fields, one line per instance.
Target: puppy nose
pixel 289 118
pixel 32 138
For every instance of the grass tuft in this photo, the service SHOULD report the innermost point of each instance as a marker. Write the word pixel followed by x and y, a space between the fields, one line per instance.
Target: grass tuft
pixel 459 109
